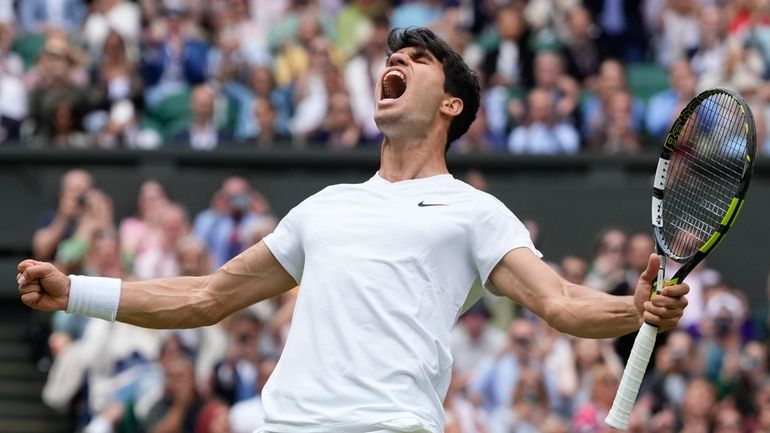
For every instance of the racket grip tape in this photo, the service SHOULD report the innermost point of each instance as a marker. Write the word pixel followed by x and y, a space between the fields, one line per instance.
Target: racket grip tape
pixel 632 378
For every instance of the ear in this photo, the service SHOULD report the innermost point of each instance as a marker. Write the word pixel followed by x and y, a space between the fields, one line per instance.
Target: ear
pixel 451 106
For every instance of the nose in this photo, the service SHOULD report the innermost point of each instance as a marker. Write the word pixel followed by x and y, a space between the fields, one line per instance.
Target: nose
pixel 399 59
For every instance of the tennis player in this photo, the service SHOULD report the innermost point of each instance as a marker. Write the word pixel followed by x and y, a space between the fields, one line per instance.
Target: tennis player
pixel 385 267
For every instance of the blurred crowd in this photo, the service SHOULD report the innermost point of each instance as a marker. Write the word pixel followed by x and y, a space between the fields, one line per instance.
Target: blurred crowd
pixel 512 372
pixel 558 76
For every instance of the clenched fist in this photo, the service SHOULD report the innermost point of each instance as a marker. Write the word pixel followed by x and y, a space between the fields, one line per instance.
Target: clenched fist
pixel 42 286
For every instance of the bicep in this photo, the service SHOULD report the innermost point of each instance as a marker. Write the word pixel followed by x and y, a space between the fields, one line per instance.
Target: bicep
pixel 526 279
pixel 250 277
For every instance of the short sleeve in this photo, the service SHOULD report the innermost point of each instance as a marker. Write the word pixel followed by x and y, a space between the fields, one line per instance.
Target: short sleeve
pixel 285 242
pixel 495 232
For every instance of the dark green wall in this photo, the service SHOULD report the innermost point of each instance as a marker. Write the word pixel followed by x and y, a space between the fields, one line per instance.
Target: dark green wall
pixel 571 197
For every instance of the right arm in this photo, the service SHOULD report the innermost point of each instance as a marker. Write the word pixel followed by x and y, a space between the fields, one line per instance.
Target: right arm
pixel 174 303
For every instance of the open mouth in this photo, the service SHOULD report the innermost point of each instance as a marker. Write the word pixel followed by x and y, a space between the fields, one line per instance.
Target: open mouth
pixel 393 85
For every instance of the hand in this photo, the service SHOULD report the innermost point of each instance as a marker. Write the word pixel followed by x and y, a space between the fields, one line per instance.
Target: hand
pixel 42 286
pixel 662 310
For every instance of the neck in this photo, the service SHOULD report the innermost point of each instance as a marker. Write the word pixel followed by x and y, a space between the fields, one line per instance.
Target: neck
pixel 404 159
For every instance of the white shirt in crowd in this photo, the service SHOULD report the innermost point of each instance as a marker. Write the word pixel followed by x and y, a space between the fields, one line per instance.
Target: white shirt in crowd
pixel 385 269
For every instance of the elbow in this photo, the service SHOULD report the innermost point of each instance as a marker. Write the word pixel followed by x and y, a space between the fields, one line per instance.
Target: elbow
pixel 556 314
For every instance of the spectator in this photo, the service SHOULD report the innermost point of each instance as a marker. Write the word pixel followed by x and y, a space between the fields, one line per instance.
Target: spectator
pixel 204 133
pixel 234 205
pixel 139 233
pixel 59 223
pixel 234 378
pixel 589 417
pixel 664 107
pixel 619 134
pixel 13 105
pixel 699 406
pixel 595 108
pixel 473 338
pixel 591 355
pixel 181 404
pixel 193 257
pixel 678 31
pixel 543 132
pixel 676 363
pixel 498 374
pixel 112 16
pixel 529 406
pixel 248 416
pixel 213 418
pixel 339 130
pixel 57 104
pixel 415 13
pixel 266 117
pixel 607 269
pixel 622 32
pixel 707 59
pixel 574 269
pixel 580 49
pixel 361 74
pixel 41 16
pixel 506 65
pixel 171 60
pixel 96 221
pixel 160 260
pixel 479 138
pixel 563 89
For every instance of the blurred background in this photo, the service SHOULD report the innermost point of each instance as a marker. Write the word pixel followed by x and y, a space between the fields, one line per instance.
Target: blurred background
pixel 143 139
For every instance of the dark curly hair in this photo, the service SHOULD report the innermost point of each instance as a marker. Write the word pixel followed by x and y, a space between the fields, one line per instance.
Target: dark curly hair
pixel 459 80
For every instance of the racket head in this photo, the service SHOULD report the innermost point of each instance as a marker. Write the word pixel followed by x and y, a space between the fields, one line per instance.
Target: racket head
pixel 703 173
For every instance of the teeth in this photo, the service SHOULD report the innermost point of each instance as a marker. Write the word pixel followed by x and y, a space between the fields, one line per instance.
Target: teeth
pixel 393 84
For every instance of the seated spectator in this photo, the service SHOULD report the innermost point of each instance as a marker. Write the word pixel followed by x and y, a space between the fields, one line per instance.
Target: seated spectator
pixel 543 132
pixel 618 134
pixel 261 85
pixel 478 138
pixel 160 259
pixel 41 16
pixel 266 117
pixel 608 266
pixel 181 404
pixel 171 60
pixel 13 104
pixel 699 407
pixel 193 257
pixel 233 207
pixel 663 108
pixel 550 76
pixel 339 130
pixel 361 75
pixel 114 79
pixel 139 233
pixel 580 50
pixel 112 16
pixel 678 31
pixel 621 30
pixel 461 415
pixel 57 104
pixel 473 338
pixel 213 418
pixel 204 133
pixel 528 408
pixel 59 223
pixel 234 378
pixel 707 59
pixel 589 417
pixel 594 108
pixel 248 416
pixel 96 221
pixel 574 269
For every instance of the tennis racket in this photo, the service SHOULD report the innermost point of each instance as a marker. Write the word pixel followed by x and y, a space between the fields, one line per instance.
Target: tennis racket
pixel 698 191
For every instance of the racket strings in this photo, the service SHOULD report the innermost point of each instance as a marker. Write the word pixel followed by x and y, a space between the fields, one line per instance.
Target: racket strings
pixel 705 171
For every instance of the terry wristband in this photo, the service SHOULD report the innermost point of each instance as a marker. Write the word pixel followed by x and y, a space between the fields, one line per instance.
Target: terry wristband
pixel 94 297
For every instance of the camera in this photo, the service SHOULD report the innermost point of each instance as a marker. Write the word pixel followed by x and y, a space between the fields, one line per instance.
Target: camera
pixel 239 202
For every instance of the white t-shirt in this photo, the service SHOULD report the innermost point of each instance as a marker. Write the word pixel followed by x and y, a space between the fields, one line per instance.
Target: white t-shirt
pixel 384 270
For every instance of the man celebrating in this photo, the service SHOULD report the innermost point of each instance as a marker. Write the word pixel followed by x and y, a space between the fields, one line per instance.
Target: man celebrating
pixel 385 267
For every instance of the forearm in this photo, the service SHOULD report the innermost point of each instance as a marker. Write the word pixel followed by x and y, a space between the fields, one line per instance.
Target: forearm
pixel 169 303
pixel 590 313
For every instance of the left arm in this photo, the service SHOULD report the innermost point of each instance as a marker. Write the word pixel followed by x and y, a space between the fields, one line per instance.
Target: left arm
pixel 582 311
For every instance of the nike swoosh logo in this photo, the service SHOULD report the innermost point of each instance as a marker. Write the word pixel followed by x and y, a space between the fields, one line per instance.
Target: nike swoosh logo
pixel 423 204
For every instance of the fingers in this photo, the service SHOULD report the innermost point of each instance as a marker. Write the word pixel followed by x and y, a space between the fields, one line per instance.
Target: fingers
pixel 32 298
pixel 33 271
pixel 666 309
pixel 24 264
pixel 651 273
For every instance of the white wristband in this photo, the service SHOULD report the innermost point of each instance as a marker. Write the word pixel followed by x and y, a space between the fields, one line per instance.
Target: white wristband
pixel 94 297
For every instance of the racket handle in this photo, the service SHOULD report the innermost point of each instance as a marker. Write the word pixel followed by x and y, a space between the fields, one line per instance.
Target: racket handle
pixel 632 377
